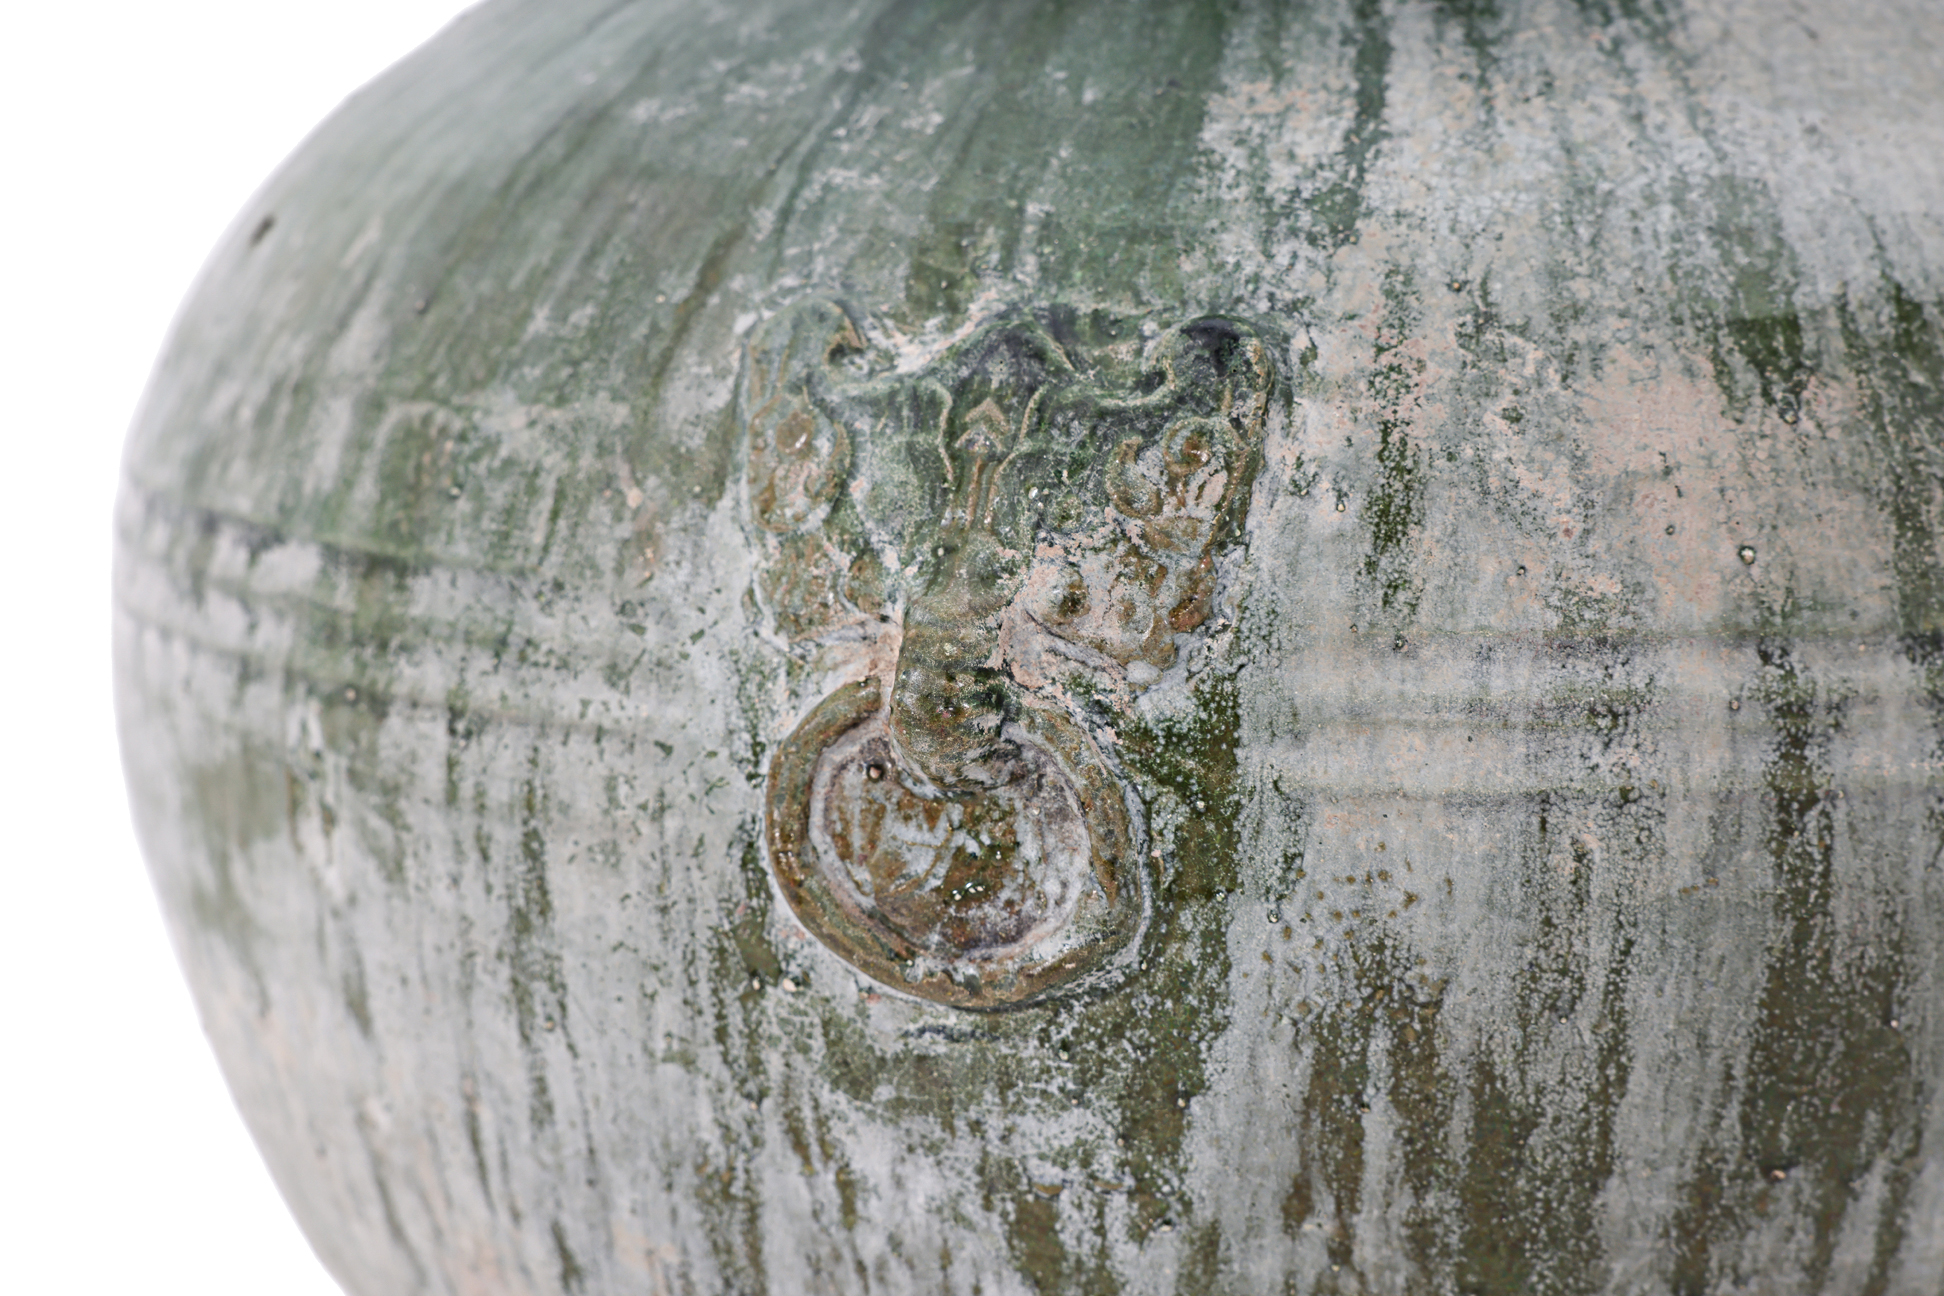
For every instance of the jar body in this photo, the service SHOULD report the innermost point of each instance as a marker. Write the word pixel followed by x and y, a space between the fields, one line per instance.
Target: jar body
pixel 1539 829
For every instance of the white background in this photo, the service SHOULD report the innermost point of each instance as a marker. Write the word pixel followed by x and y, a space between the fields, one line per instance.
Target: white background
pixel 130 136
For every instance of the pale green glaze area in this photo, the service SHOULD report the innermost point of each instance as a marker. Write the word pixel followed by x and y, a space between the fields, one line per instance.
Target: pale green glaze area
pixel 1550 900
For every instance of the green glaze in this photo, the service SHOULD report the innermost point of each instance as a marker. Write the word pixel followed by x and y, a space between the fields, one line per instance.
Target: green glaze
pixel 1540 836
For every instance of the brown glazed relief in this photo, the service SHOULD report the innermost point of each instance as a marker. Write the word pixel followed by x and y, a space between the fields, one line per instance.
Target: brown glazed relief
pixel 1000 542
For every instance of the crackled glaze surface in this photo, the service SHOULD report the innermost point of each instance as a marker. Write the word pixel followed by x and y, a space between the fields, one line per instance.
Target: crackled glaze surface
pixel 997 538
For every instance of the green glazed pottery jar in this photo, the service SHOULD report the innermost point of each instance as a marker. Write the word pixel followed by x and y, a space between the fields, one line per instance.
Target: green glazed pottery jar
pixel 1087 647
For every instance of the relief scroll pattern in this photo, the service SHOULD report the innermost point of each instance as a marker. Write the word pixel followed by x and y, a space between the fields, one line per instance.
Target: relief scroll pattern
pixel 1007 538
